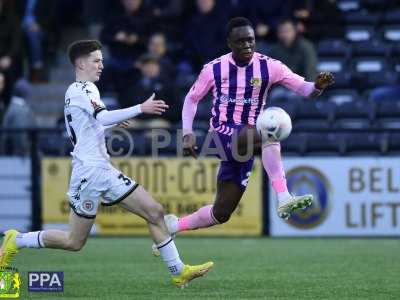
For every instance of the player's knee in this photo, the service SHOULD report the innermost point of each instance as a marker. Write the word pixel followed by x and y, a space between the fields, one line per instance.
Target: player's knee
pixel 221 216
pixel 75 245
pixel 156 213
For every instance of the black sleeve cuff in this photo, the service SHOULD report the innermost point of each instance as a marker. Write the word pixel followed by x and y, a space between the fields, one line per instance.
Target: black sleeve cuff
pixel 97 110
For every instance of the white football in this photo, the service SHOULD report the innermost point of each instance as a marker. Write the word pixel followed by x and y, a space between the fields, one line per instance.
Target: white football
pixel 274 124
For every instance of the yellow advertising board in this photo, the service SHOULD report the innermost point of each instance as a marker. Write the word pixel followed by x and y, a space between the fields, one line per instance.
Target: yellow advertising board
pixel 181 185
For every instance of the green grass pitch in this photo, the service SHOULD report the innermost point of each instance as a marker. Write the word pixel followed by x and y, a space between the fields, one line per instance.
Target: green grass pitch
pixel 245 268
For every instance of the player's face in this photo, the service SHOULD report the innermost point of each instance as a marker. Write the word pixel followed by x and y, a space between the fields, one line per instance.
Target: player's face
pixel 242 43
pixel 93 65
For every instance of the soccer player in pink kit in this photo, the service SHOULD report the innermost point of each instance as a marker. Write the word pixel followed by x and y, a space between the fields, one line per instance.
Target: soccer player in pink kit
pixel 240 81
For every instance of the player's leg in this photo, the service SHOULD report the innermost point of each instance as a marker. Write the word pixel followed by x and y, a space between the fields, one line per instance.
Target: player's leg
pixel 133 197
pixel 272 163
pixel 226 200
pixel 232 180
pixel 142 204
pixel 72 240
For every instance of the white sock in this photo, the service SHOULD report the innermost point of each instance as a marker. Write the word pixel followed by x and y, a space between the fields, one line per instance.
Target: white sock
pixel 283 197
pixel 170 255
pixel 30 240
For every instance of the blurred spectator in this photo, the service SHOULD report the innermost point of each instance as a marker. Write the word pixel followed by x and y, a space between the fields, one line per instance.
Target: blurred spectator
pixel 320 20
pixel 157 47
pixel 205 34
pixel 38 25
pixel 125 37
pixel 265 18
pixel 295 51
pixel 10 41
pixel 238 8
pixel 3 97
pixel 152 80
pixel 18 115
pixel 167 14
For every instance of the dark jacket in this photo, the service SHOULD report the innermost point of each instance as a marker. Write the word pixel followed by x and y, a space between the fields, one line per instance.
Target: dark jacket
pixel 301 57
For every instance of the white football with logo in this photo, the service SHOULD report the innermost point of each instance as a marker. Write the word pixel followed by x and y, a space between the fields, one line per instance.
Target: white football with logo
pixel 274 124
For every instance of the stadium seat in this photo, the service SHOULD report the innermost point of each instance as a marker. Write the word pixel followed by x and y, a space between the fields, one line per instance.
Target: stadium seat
pixel 363 144
pixel 377 5
pixel 369 64
pixel 371 48
pixel 362 17
pixel 289 105
pixel 294 145
pixel 354 114
pixel 388 114
pixel 395 55
pixel 348 5
pixel 322 144
pixel 342 80
pixel 340 96
pixel 377 79
pixel 317 110
pixel 385 93
pixel 392 17
pixel 331 64
pixel 359 33
pixel 333 48
pixel 311 124
pixel 393 144
pixel 391 33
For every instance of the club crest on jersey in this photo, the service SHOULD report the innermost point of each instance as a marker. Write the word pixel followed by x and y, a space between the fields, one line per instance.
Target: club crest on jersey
pixel 255 82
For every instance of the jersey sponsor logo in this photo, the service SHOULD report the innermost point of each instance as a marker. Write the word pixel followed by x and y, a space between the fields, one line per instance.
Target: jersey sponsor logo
pixel 306 180
pixel 226 99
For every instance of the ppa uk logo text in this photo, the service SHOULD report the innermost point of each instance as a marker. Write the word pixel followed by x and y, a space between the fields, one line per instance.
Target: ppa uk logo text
pixel 46 281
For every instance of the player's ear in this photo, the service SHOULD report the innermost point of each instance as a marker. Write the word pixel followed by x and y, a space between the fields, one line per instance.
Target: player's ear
pixel 80 63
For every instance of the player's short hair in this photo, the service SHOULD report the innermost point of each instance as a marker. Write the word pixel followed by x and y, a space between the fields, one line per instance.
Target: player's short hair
pixel 237 22
pixel 81 48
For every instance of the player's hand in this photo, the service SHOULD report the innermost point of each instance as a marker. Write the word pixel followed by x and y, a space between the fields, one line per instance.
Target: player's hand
pixel 324 79
pixel 189 145
pixel 155 107
pixel 124 124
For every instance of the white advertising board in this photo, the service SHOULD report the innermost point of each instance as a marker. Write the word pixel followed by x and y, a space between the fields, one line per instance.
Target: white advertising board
pixel 354 196
pixel 15 193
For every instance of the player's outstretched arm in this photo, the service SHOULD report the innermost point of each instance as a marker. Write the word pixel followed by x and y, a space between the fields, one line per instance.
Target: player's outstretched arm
pixel 150 106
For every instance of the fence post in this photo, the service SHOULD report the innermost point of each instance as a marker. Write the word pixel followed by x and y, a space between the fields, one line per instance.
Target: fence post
pixel 36 181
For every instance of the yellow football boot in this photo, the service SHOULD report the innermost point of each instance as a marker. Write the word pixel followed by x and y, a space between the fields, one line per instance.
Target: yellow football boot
pixel 9 247
pixel 191 272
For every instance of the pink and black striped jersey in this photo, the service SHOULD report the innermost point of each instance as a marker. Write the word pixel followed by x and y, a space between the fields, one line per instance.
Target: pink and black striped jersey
pixel 239 92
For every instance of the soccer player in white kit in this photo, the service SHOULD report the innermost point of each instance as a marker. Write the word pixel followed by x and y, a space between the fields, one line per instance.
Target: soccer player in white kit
pixel 94 180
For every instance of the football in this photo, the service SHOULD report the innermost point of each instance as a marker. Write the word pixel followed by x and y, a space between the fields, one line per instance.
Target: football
pixel 274 124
